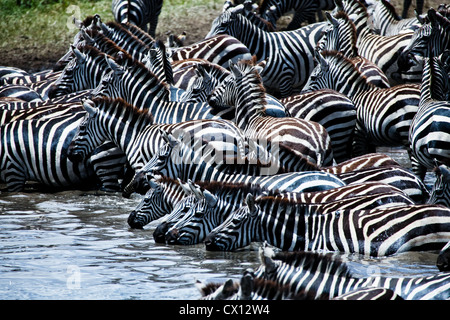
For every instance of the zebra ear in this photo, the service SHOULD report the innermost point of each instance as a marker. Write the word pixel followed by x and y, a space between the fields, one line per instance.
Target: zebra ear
pixel 323 63
pixel 77 23
pixel 153 184
pixel 89 40
pixel 169 138
pixel 185 187
pixel 232 67
pixel 419 17
pixel 331 19
pixel 260 66
pixel 211 199
pixel 78 54
pixel 118 70
pixel 265 255
pixel 90 109
pixel 250 202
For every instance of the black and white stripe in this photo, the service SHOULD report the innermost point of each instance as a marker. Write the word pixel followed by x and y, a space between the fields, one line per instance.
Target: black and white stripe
pixel 288 224
pixel 143 13
pixel 289 54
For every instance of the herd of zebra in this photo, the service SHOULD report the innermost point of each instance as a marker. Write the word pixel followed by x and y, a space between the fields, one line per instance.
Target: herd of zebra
pixel 255 135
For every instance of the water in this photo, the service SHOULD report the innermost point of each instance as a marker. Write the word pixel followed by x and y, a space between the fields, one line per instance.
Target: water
pixel 77 245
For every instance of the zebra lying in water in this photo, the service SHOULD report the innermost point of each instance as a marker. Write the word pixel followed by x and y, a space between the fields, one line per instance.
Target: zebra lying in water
pixel 318 276
pixel 289 224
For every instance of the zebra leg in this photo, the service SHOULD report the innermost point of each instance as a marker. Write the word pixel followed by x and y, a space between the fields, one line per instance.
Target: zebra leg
pixel 14 177
pixel 108 162
pixel 406 5
pixel 418 169
pixel 361 145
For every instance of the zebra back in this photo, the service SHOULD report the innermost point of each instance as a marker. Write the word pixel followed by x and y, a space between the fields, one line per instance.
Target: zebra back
pixel 328 275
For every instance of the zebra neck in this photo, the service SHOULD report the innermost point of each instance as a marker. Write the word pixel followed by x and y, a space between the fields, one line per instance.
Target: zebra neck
pixel 256 40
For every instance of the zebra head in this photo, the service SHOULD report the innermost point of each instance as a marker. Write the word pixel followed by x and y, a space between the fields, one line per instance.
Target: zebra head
pixel 196 223
pixel 223 96
pixel 161 233
pixel 441 189
pixel 223 23
pixel 152 207
pixel 86 138
pixel 68 81
pixel 238 230
pixel 317 78
pixel 109 83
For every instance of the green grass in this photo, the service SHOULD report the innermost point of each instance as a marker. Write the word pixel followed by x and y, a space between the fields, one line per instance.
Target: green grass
pixel 49 22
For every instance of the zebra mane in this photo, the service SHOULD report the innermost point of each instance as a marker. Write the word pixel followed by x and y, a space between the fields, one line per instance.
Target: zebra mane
pixel 343 60
pixel 344 16
pixel 106 103
pixel 104 41
pixel 133 65
pixel 314 262
pixel 167 180
pixel 246 65
pixel 139 33
pixel 229 187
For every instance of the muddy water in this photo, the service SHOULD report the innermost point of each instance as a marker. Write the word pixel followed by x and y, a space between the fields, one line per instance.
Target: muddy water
pixel 77 245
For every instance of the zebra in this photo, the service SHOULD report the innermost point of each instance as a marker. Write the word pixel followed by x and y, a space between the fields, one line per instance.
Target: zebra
pixel 291 225
pixel 22 92
pixel 162 196
pixel 429 133
pixel 133 131
pixel 304 10
pixel 139 12
pixel 155 205
pixel 386 22
pixel 407 4
pixel 381 50
pixel 251 287
pixel 331 109
pixel 138 86
pixel 83 72
pixel 395 176
pixel 341 36
pixel 383 115
pixel 366 161
pixel 439 193
pixel 36 150
pixel 289 54
pixel 431 39
pixel 295 137
pixel 324 274
pixel 214 204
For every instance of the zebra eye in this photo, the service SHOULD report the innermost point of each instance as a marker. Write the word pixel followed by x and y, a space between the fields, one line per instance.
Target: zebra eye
pixel 199 214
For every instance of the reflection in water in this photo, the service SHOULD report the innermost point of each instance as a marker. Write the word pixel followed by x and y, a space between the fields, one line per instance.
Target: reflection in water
pixel 74 245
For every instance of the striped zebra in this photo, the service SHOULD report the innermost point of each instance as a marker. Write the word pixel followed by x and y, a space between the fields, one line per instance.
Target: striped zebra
pixel 251 287
pixel 138 86
pixel 407 4
pixel 289 54
pixel 36 150
pixel 381 50
pixel 22 92
pixel 83 72
pixel 295 137
pixel 440 192
pixel 341 37
pixel 395 176
pixel 355 164
pixel 323 274
pixel 383 115
pixel 432 39
pixel 162 196
pixel 290 225
pixel 134 133
pixel 304 10
pixel 214 204
pixel 386 22
pixel 143 13
pixel 430 129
